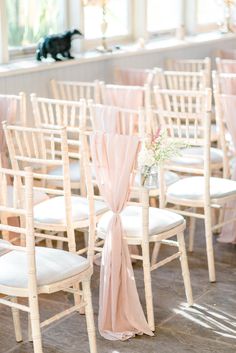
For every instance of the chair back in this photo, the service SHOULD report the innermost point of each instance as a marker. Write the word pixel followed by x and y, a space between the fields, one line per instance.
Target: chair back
pixel 75 90
pixel 12 110
pixel 225 65
pixel 133 77
pixel 57 112
pixel 224 85
pixel 130 97
pixel 22 206
pixel 186 117
pixel 190 65
pixel 180 80
pixel 116 120
pixel 226 54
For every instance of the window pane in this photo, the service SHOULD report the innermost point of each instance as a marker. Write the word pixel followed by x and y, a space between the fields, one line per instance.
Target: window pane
pixel 209 11
pixel 163 14
pixel 29 20
pixel 116 16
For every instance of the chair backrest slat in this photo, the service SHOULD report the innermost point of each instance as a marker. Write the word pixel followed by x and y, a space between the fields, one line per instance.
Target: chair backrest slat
pixel 75 90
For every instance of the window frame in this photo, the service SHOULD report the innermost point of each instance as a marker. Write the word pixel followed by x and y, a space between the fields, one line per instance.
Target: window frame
pixel 205 27
pixel 137 27
pixel 90 44
pixel 170 32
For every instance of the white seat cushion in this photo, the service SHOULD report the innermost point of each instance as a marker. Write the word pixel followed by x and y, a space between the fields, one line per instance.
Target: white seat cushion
pixel 159 221
pixel 170 178
pixel 38 196
pixel 52 265
pixel 216 156
pixel 53 210
pixel 192 188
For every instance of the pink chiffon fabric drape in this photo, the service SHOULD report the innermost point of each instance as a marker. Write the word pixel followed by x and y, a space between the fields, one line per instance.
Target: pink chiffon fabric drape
pixel 227 54
pixel 112 119
pixel 120 312
pixel 133 77
pixel 130 97
pixel 226 66
pixel 8 109
pixel 228 103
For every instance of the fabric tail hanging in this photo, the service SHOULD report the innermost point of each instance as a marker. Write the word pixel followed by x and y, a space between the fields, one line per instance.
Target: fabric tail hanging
pixel 120 313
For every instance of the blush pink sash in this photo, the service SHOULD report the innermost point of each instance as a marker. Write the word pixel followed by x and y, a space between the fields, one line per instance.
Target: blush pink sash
pixel 114 120
pixel 227 54
pixel 120 312
pixel 8 107
pixel 133 77
pixel 131 97
pixel 228 103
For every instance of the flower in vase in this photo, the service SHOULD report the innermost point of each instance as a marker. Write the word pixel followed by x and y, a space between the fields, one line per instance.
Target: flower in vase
pixel 156 149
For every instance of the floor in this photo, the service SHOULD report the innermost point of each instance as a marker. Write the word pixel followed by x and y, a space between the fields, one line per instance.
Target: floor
pixel 208 326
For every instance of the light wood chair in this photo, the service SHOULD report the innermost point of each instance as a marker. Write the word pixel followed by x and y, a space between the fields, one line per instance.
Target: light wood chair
pixel 27 272
pixel 180 80
pixel 133 77
pixel 71 114
pixel 63 212
pixel 75 90
pixel 144 225
pixel 200 192
pixel 127 121
pixel 190 65
pixel 190 155
pixel 226 54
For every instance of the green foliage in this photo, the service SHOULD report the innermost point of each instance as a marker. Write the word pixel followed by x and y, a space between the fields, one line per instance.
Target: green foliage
pixel 28 22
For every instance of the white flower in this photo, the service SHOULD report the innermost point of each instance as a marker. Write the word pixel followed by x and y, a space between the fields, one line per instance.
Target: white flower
pixel 146 157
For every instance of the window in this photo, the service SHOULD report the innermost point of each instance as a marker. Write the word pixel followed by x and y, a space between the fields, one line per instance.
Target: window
pixel 209 14
pixel 29 20
pixel 114 13
pixel 163 15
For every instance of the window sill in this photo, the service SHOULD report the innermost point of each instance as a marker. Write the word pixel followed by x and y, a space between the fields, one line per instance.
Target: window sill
pixel 28 65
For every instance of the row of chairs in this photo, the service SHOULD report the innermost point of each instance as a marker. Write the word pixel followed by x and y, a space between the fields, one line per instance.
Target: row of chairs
pixel 189 121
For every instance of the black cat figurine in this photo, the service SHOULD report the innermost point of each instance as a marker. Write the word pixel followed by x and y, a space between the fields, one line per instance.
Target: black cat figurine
pixel 57 44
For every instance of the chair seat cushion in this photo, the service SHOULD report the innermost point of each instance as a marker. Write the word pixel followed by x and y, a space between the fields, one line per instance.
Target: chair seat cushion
pixel 170 178
pixel 52 265
pixel 195 156
pixel 159 221
pixel 53 210
pixel 38 196
pixel 192 188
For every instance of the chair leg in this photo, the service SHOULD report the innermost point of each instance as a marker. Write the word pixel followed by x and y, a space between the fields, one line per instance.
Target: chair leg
pixel 35 324
pixel 209 245
pixel 185 269
pixel 155 252
pixel 16 321
pixel 30 339
pixel 78 299
pixel 89 316
pixel 148 286
pixel 192 227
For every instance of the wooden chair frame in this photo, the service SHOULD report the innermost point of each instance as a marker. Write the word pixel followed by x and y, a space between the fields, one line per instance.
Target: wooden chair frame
pixel 11 294
pixel 194 65
pixel 75 90
pixel 201 120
